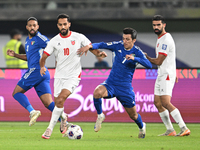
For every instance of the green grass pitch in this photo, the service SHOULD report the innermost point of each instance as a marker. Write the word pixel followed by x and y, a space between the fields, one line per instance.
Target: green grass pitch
pixel 112 136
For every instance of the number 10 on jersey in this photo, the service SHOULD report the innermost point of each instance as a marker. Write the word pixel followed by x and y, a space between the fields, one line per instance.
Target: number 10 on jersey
pixel 66 51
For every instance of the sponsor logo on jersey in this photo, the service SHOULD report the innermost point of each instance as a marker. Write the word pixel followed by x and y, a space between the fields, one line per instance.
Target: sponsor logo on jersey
pixel 157 44
pixel 164 46
pixel 59 44
pixel 32 42
pixel 133 55
pixel 120 51
pixel 73 42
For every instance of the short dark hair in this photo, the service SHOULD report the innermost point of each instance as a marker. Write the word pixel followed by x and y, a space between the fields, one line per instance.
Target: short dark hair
pixel 158 17
pixel 15 32
pixel 63 16
pixel 130 31
pixel 32 18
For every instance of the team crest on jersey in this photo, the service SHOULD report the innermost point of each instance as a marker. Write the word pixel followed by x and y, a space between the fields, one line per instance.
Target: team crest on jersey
pixel 157 44
pixel 73 42
pixel 32 42
pixel 133 55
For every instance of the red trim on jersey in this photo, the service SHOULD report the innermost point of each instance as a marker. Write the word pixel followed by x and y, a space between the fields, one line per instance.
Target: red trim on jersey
pixel 46 53
pixel 162 35
pixel 167 77
pixel 162 53
pixel 79 75
pixel 70 32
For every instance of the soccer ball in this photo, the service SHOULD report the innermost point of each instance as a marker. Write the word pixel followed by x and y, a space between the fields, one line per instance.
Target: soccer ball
pixel 74 132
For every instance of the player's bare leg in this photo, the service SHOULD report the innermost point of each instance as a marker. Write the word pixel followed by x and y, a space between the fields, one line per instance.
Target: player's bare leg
pixel 99 92
pixel 165 99
pixel 47 101
pixel 18 94
pixel 57 112
pixel 164 114
pixel 138 120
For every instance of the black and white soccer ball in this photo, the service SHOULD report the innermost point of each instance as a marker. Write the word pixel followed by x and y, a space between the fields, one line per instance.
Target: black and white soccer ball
pixel 74 132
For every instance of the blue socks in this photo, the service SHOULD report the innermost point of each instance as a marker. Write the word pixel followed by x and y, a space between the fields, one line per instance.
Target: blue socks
pixel 97 104
pixel 139 122
pixel 23 100
pixel 51 106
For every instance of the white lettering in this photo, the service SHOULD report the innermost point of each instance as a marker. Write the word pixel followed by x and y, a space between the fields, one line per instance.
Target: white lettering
pixel 78 97
pixel 137 107
pixel 90 107
pixel 111 105
pixel 88 104
pixel 149 108
pixel 2 103
pixel 144 97
pixel 108 104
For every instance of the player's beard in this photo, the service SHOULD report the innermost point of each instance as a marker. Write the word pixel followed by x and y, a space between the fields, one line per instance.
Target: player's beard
pixel 32 34
pixel 158 31
pixel 64 33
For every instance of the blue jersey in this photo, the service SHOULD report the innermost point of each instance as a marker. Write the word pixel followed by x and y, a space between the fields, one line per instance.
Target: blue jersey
pixel 34 49
pixel 122 70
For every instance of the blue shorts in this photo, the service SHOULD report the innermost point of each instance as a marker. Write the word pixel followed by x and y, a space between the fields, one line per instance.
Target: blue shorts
pixel 124 93
pixel 32 78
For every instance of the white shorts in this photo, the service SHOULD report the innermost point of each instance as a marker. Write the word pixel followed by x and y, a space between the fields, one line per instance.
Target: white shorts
pixel 164 85
pixel 61 83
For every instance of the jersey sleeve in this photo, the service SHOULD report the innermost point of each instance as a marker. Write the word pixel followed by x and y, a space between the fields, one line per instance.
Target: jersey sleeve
pixel 141 58
pixel 110 46
pixel 84 40
pixel 42 40
pixel 164 48
pixel 49 48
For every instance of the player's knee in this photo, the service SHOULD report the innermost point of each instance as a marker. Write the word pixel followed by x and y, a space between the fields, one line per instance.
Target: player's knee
pixel 13 93
pixel 60 102
pixel 157 104
pixel 97 94
pixel 167 105
pixel 133 116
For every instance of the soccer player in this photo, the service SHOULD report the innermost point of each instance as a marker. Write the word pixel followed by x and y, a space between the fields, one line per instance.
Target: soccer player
pixel 68 65
pixel 34 45
pixel 166 62
pixel 119 82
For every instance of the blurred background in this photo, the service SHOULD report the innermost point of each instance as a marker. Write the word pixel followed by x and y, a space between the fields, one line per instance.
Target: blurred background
pixel 104 20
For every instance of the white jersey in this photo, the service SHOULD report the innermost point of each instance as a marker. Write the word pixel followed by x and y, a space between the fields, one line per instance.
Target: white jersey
pixel 165 45
pixel 68 63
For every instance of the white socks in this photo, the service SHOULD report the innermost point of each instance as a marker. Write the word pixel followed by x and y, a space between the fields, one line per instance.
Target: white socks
pixel 166 120
pixel 54 117
pixel 63 115
pixel 177 117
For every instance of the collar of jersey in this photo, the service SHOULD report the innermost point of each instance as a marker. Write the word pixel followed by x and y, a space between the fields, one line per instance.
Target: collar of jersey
pixel 70 32
pixel 162 35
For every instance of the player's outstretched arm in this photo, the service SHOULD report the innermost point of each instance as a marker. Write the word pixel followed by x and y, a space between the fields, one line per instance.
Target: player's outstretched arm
pixel 19 56
pixel 156 61
pixel 140 58
pixel 42 64
pixel 99 53
pixel 83 50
